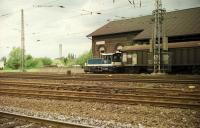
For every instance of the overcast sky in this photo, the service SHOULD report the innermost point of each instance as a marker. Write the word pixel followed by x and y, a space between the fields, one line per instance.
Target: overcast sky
pixel 51 22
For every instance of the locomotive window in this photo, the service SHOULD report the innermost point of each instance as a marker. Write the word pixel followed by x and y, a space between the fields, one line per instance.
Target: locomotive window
pixel 107 59
pixel 117 58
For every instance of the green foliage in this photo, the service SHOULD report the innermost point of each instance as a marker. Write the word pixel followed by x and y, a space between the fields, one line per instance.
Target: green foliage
pixel 46 61
pixel 14 59
pixel 30 62
pixel 71 62
pixel 70 56
pixel 81 60
pixel 38 62
pixel 65 60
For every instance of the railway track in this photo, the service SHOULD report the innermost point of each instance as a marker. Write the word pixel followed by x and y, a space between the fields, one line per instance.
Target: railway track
pixel 116 78
pixel 170 97
pixel 94 88
pixel 46 122
pixel 173 99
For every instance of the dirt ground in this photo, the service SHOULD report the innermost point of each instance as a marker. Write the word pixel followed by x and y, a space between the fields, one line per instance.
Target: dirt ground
pixel 147 116
pixel 136 115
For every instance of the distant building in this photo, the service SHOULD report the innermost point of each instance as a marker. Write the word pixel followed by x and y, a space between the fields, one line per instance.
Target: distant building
pixel 181 26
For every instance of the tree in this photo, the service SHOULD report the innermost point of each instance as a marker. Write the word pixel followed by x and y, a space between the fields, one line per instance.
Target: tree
pixel 82 59
pixel 65 60
pixel 70 56
pixel 46 61
pixel 30 62
pixel 14 59
pixel 38 62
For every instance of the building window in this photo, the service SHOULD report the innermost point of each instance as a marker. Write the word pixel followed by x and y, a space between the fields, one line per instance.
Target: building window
pixel 119 47
pixel 101 50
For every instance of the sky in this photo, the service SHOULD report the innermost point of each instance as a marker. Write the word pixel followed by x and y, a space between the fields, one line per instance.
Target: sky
pixel 49 23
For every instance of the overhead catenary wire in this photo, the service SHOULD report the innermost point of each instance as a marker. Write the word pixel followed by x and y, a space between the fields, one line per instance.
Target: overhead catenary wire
pixel 91 13
pixel 46 5
pixel 27 8
pixel 79 15
pixel 94 12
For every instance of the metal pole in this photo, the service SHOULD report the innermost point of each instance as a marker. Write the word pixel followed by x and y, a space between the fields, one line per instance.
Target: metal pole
pixel 22 42
pixel 158 19
pixel 155 37
pixel 159 33
pixel 154 47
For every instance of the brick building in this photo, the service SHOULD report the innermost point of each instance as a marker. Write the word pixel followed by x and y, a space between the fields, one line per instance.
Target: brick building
pixel 181 26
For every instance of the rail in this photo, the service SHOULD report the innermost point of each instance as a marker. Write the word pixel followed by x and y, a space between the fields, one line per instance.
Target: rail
pixel 55 123
pixel 117 78
pixel 163 100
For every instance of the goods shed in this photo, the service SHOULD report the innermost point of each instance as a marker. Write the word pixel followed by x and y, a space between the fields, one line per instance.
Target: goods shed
pixel 181 26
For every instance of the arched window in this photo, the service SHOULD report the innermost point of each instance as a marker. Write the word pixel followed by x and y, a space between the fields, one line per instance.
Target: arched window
pixel 119 47
pixel 101 50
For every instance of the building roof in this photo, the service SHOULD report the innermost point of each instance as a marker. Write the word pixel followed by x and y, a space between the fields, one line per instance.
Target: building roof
pixel 170 45
pixel 178 23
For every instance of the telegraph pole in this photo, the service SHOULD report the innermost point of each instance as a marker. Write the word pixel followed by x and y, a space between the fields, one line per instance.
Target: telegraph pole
pixel 157 36
pixel 22 42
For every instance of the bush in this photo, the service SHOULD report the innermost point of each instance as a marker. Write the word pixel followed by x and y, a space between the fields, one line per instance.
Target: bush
pixel 30 62
pixel 14 60
pixel 46 61
pixel 81 60
pixel 70 62
pixel 38 62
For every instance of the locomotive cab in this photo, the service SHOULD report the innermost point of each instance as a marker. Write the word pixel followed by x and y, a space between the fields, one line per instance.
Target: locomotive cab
pixel 109 62
pixel 112 58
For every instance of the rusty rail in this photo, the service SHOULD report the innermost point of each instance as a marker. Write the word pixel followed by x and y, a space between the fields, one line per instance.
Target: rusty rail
pixel 117 78
pixel 170 101
pixel 55 123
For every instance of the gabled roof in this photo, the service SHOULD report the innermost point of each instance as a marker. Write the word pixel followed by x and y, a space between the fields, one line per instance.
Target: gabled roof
pixel 178 23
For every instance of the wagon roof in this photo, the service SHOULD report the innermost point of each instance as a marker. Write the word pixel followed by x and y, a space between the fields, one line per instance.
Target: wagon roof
pixel 178 23
pixel 170 45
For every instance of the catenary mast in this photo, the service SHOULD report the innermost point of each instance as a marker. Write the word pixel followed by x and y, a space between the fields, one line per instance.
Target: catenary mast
pixel 159 56
pixel 159 40
pixel 22 42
